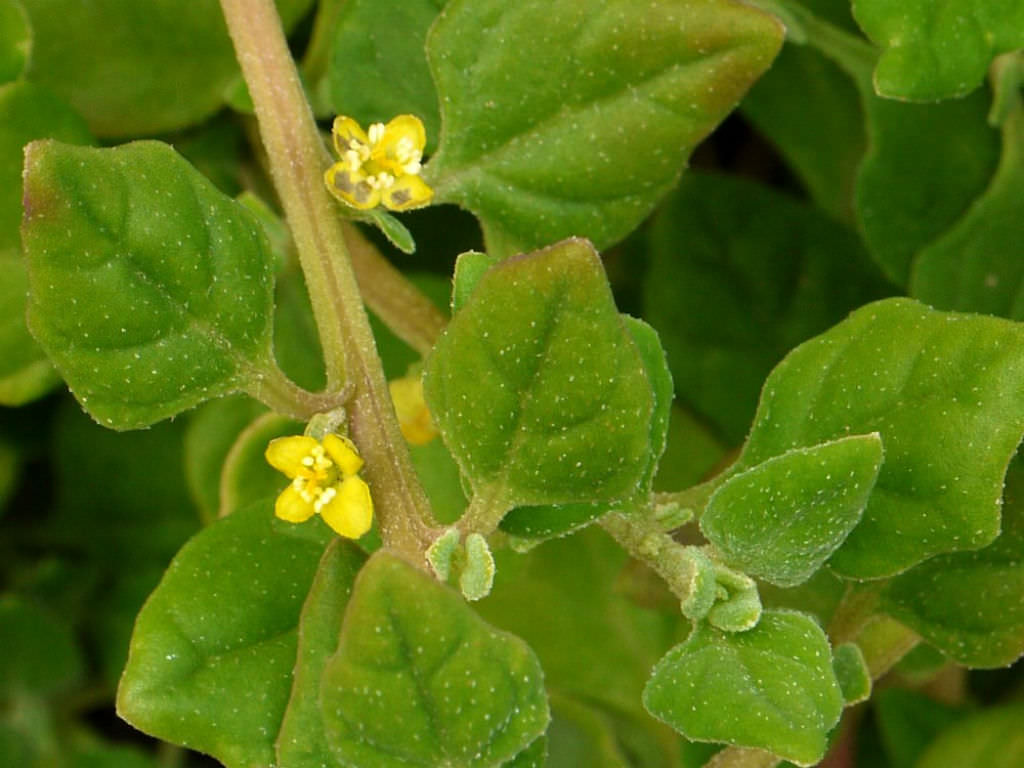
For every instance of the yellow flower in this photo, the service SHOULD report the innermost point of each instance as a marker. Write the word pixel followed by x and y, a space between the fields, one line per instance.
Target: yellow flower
pixel 413 416
pixel 379 166
pixel 324 481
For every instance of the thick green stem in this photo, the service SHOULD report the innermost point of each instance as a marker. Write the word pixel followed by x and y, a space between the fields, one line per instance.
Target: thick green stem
pixel 271 387
pixel 297 159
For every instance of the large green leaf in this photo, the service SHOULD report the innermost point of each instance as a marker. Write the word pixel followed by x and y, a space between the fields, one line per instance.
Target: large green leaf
pixel 563 117
pixel 978 265
pixel 214 647
pixel 946 393
pixel 302 742
pixel 938 50
pixel 413 654
pixel 739 275
pixel 537 387
pixel 27 112
pixel 992 738
pixel 968 604
pixel 151 291
pixel 771 687
pixel 164 64
pixel 782 519
pixel 378 68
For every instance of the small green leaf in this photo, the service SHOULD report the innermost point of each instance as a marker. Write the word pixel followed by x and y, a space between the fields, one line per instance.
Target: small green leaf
pixel 564 117
pixel 302 742
pixel 968 604
pixel 141 84
pixel 977 265
pixel 992 738
pixel 943 390
pixel 739 275
pixel 771 687
pixel 537 387
pixel 412 652
pixel 852 673
pixel 782 519
pixel 469 268
pixel 377 66
pixel 246 476
pixel 938 50
pixel 211 658
pixel 15 40
pixel 150 289
pixel 925 165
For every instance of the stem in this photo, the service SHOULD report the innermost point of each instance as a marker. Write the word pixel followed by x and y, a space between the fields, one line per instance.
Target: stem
pixel 485 511
pixel 297 158
pixel 279 393
pixel 399 303
pixel 858 606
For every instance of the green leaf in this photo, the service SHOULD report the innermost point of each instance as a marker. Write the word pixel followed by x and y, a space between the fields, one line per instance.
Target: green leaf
pixel 935 50
pixel 302 741
pixel 412 652
pixel 534 756
pixel 537 387
pixel 782 519
pixel 570 118
pixel 967 604
pixel 852 673
pixel 977 266
pixel 142 83
pixel 945 393
pixel 992 738
pixel 15 40
pixel 925 165
pixel 377 67
pixel 246 476
pixel 908 722
pixel 439 476
pixel 296 339
pixel 211 659
pixel 469 268
pixel 40 655
pixel 27 112
pixel 170 281
pixel 812 113
pixel 770 688
pixel 739 275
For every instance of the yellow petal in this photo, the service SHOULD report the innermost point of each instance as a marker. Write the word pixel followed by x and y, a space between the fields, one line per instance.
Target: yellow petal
pixel 285 454
pixel 347 135
pixel 350 512
pixel 411 409
pixel 404 126
pixel 343 453
pixel 351 187
pixel 407 192
pixel 292 507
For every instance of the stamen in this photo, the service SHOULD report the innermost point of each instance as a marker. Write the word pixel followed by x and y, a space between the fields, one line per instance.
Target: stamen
pixel 376 133
pixel 324 498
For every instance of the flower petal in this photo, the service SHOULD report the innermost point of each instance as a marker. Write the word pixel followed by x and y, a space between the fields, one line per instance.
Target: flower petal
pixel 343 453
pixel 347 135
pixel 351 187
pixel 350 512
pixel 404 126
pixel 292 507
pixel 407 192
pixel 411 409
pixel 285 454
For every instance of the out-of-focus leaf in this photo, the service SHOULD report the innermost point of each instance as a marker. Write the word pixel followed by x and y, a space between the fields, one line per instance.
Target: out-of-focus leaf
pixel 992 738
pixel 15 39
pixel 908 722
pixel 40 655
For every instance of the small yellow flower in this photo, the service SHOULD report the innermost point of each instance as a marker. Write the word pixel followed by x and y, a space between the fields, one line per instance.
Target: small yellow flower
pixel 410 406
pixel 379 166
pixel 324 481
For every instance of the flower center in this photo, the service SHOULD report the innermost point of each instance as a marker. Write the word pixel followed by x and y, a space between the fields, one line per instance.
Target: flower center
pixel 315 482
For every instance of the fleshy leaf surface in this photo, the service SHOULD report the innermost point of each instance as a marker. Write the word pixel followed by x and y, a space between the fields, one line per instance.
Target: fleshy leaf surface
pixel 967 604
pixel 412 652
pixel 212 654
pixel 142 84
pixel 771 687
pixel 946 393
pixel 739 275
pixel 938 50
pixel 782 519
pixel 302 742
pixel 151 291
pixel 564 118
pixel 537 387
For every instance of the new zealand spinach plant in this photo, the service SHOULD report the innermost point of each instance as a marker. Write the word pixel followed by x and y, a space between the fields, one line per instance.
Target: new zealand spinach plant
pixel 441 417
